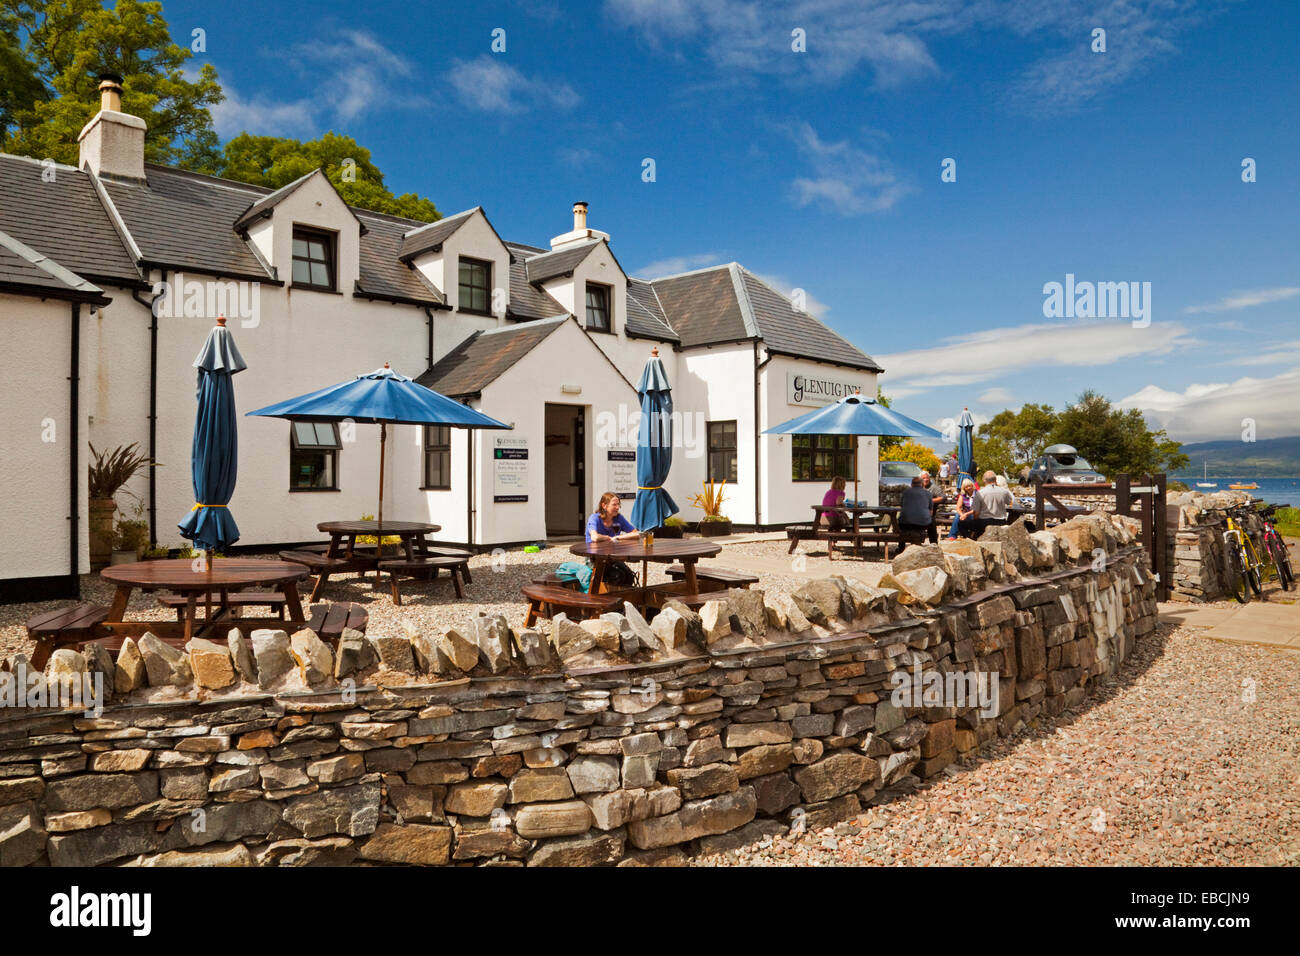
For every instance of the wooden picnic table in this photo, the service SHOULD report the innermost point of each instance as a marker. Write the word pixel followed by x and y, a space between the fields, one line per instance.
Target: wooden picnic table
pixel 857 534
pixel 197 579
pixel 666 550
pixel 411 532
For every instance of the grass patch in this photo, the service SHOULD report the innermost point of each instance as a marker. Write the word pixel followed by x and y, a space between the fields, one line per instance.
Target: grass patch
pixel 1287 521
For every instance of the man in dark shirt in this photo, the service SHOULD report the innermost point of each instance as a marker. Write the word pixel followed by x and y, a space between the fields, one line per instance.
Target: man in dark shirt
pixel 916 513
pixel 936 501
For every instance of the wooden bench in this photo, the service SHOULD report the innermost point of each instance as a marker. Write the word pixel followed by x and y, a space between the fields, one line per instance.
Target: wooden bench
pixel 330 620
pixel 714 579
pixel 54 629
pixel 269 599
pixel 323 567
pixel 557 581
pixel 545 599
pixel 426 568
pixel 432 550
pixel 799 532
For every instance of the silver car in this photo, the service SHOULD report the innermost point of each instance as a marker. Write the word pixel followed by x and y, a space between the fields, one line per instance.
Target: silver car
pixel 1062 464
pixel 893 473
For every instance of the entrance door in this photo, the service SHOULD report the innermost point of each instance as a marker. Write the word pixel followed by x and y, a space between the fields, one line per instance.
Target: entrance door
pixel 566 469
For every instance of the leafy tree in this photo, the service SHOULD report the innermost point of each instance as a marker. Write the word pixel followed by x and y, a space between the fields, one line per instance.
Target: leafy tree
pixel 1025 433
pixel 908 450
pixel 66 44
pixel 889 445
pixel 992 453
pixel 1115 440
pixel 275 161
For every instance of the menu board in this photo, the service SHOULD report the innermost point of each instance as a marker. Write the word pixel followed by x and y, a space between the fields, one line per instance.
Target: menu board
pixel 621 472
pixel 510 469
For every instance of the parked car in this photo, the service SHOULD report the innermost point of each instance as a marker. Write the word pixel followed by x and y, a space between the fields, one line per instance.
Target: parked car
pixel 895 473
pixel 1062 464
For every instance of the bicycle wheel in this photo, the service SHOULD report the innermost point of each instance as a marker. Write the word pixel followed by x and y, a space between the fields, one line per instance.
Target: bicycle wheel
pixel 1282 559
pixel 1236 576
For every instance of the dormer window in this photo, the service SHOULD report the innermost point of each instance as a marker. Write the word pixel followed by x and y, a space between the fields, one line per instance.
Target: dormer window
pixel 313 259
pixel 598 307
pixel 475 286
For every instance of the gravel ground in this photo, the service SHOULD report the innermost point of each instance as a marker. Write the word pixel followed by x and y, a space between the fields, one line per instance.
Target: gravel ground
pixel 1171 764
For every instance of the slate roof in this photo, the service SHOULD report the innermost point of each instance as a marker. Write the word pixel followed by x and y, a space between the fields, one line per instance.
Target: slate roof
pixel 434 234
pixel 63 219
pixel 483 357
pixel 527 301
pixel 728 303
pixel 265 204
pixel 21 265
pixel 645 314
pixel 383 273
pixel 184 220
pixel 549 265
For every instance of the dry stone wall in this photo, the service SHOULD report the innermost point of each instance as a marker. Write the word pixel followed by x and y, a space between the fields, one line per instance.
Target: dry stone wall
pixel 765 717
pixel 1197 553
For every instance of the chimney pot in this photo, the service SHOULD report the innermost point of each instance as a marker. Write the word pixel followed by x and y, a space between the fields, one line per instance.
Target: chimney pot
pixel 579 216
pixel 110 92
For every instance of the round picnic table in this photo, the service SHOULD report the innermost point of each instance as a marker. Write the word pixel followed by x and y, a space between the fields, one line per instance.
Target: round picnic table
pixel 667 550
pixel 411 532
pixel 199 578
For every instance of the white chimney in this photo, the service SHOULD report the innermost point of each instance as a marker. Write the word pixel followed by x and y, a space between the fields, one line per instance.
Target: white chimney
pixel 112 143
pixel 580 231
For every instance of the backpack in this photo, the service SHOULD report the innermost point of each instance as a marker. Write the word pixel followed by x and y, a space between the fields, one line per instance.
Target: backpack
pixel 575 571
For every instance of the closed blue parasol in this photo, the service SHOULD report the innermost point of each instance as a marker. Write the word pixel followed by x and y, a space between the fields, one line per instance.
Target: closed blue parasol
pixel 383 398
pixel 855 415
pixel 965 446
pixel 215 455
pixel 654 447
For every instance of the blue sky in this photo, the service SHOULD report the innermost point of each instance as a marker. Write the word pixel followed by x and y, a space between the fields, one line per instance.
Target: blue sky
pixel 820 170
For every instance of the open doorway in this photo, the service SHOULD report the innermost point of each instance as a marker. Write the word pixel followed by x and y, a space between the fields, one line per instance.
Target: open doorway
pixel 566 469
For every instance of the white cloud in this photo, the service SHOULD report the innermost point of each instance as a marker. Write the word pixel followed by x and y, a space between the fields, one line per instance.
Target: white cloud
pixel 990 354
pixel 354 67
pixel 486 83
pixel 677 264
pixel 996 396
pixel 1215 411
pixel 1286 353
pixel 1244 300
pixel 891 38
pixel 844 178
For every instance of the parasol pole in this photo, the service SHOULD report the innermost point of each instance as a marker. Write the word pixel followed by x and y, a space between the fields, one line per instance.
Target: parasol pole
pixel 383 440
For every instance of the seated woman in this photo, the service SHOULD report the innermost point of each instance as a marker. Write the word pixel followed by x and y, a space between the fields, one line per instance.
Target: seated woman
pixel 833 518
pixel 608 525
pixel 968 513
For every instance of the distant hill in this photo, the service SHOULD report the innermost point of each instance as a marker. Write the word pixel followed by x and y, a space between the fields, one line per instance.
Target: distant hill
pixel 1269 458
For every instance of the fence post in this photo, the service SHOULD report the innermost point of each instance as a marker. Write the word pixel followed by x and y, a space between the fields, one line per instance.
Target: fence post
pixel 1123 501
pixel 1148 525
pixel 1040 524
pixel 1161 554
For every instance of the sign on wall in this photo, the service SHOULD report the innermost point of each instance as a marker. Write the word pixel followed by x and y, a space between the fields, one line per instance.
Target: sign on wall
pixel 816 389
pixel 621 472
pixel 510 469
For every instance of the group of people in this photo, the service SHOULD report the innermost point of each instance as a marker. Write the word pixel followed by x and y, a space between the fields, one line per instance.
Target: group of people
pixel 977 509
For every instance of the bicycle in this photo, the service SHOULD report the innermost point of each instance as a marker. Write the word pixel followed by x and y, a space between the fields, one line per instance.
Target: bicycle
pixel 1243 565
pixel 1276 548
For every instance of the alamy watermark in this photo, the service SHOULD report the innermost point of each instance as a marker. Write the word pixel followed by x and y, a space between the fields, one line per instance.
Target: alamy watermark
pixel 184 298
pixel 952 689
pixel 1098 300
pixel 684 430
pixel 31 688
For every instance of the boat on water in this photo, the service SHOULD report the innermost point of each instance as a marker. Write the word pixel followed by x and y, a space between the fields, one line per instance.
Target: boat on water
pixel 1247 486
pixel 1205 471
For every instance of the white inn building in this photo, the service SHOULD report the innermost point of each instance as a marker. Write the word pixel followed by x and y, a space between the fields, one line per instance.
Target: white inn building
pixel 112 275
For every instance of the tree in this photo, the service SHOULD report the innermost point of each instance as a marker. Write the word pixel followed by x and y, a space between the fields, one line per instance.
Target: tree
pixel 66 44
pixel 1115 441
pixel 889 445
pixel 909 450
pixel 991 453
pixel 1024 433
pixel 275 161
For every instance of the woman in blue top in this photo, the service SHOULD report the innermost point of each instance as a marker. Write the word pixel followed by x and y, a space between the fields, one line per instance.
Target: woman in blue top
pixel 608 525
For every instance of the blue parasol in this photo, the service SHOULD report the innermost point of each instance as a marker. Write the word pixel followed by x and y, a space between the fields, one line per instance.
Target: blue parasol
pixel 654 447
pixel 214 459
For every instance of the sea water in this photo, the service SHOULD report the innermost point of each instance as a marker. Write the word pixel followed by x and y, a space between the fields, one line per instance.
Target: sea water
pixel 1279 491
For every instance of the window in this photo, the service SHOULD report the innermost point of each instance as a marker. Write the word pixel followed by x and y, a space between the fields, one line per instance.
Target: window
pixel 598 307
pixel 313 259
pixel 475 286
pixel 437 456
pixel 313 456
pixel 821 457
pixel 722 451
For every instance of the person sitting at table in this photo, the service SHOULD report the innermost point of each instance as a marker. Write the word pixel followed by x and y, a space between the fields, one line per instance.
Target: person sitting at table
pixel 608 525
pixel 993 500
pixel 833 518
pixel 968 516
pixel 936 502
pixel 917 508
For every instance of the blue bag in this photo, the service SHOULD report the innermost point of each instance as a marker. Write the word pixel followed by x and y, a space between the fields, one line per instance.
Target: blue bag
pixel 575 571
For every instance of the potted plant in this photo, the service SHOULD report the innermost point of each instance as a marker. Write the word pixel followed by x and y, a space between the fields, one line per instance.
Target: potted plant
pixel 710 502
pixel 130 537
pixel 109 473
pixel 390 541
pixel 672 527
